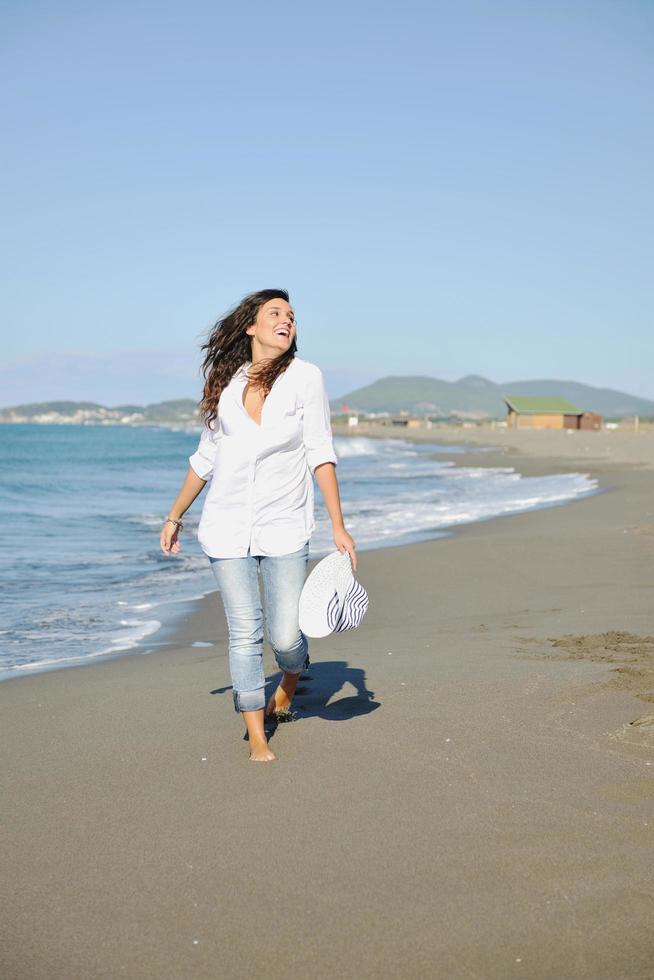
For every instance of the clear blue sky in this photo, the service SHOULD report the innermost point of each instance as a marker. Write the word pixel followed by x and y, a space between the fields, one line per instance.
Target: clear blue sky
pixel 445 188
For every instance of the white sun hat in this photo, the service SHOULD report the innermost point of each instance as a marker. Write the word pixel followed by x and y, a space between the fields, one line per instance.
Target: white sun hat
pixel 332 600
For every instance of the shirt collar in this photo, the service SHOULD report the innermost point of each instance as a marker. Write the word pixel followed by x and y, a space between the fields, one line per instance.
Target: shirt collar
pixel 241 372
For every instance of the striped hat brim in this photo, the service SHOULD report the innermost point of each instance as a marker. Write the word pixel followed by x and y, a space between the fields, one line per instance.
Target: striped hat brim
pixel 331 599
pixel 348 614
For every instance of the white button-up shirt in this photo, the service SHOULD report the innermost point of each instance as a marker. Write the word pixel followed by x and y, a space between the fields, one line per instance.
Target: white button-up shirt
pixel 261 493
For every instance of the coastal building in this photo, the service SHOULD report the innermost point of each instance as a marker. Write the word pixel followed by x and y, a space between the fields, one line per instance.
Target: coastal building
pixel 403 420
pixel 528 412
pixel 590 420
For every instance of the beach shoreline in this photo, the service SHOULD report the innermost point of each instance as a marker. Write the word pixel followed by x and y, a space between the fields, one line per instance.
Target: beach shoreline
pixel 164 613
pixel 461 795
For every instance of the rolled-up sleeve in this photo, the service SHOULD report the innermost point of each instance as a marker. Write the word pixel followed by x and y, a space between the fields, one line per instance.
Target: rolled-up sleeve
pixel 317 432
pixel 202 460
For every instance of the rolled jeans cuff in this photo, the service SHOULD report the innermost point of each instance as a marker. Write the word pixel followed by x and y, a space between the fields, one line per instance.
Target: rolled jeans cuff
pixel 249 700
pixel 293 663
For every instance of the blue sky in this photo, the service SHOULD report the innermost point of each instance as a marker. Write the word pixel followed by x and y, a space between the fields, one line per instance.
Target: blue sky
pixel 445 188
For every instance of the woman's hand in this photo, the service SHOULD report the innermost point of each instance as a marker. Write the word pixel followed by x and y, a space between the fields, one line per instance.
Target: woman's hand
pixel 344 542
pixel 169 538
pixel 192 487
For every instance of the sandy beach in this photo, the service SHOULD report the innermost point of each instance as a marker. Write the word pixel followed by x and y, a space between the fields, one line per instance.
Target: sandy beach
pixel 467 793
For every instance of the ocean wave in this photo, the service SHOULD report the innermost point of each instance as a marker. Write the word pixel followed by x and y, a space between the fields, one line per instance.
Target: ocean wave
pixel 85 578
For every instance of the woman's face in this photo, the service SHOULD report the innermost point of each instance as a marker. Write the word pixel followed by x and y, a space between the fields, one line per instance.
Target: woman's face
pixel 273 331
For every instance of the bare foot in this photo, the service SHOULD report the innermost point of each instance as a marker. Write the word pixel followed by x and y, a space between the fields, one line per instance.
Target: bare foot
pixel 281 699
pixel 261 752
pixel 259 749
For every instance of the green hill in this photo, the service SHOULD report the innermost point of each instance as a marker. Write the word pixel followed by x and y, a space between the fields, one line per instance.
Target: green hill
pixel 476 397
pixel 472 397
pixel 422 396
pixel 177 411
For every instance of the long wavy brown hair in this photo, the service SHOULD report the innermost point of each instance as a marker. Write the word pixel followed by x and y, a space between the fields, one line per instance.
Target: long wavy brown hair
pixel 228 347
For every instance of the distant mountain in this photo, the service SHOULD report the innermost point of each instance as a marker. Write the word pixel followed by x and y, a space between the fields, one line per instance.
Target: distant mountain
pixel 179 412
pixel 472 397
pixel 476 382
pixel 476 397
pixel 423 396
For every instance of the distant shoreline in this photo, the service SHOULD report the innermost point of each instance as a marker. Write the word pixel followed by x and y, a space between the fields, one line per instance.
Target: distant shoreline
pixel 618 446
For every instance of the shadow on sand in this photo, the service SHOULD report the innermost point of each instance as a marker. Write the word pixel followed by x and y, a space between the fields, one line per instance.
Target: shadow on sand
pixel 319 684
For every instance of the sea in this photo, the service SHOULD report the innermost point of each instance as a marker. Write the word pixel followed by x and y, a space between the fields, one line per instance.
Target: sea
pixel 82 506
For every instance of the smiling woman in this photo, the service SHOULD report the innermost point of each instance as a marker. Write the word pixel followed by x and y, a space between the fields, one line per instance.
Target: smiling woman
pixel 230 342
pixel 266 434
pixel 274 327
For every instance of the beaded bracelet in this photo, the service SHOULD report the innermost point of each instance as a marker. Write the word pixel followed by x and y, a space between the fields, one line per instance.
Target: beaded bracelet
pixel 171 520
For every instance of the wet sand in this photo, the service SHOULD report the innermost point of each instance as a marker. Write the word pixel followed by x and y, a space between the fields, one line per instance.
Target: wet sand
pixel 467 794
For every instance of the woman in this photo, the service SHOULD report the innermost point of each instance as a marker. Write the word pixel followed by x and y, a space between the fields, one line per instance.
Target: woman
pixel 266 432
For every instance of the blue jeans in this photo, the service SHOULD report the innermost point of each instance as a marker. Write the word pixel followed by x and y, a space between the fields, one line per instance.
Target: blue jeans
pixel 283 577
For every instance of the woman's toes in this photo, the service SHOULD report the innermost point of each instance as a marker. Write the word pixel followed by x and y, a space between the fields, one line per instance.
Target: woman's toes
pixel 262 754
